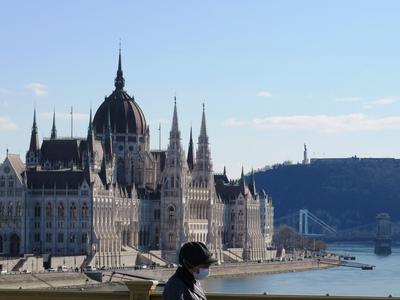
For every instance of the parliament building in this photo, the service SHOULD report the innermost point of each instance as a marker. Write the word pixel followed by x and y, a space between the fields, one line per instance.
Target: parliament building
pixel 111 199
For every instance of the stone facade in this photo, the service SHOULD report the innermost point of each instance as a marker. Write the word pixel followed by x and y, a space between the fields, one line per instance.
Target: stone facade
pixel 110 197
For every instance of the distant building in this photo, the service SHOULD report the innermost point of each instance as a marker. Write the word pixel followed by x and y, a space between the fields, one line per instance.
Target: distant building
pixel 109 196
pixel 354 159
pixel 306 161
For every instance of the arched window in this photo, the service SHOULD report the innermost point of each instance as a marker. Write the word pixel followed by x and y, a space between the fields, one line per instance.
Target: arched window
pixel 171 213
pixel 9 209
pixel 73 211
pixel 240 215
pixel 61 210
pixel 18 211
pixel 120 170
pixel 84 238
pixel 10 181
pixel 48 210
pixel 2 182
pixel 85 211
pixel 37 210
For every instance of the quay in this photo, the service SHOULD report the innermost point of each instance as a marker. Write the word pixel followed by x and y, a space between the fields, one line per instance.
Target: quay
pixel 239 269
pixel 341 263
pixel 57 280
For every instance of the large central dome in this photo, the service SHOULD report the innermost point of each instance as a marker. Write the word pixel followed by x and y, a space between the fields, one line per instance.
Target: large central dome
pixel 125 114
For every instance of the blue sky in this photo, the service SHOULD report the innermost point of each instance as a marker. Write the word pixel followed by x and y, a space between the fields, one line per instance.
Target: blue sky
pixel 273 74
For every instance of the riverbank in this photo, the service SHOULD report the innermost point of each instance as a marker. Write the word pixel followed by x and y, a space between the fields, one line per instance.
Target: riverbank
pixel 241 269
pixel 80 280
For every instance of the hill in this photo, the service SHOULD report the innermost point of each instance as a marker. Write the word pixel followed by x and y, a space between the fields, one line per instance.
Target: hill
pixel 343 192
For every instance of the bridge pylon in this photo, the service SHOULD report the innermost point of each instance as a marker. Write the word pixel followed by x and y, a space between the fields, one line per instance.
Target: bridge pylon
pixel 304 216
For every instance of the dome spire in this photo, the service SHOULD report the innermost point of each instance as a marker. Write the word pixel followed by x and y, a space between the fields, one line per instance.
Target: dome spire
pixel 119 80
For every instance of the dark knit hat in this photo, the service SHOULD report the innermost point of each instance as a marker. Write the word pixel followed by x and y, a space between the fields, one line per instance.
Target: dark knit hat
pixel 195 253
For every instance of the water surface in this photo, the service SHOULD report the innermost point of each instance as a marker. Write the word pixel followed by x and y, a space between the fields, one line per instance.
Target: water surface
pixel 384 280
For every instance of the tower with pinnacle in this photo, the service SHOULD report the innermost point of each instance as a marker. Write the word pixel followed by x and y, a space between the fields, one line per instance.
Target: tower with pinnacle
pixel 174 184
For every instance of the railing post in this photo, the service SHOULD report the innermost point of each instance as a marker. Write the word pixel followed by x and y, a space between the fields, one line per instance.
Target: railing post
pixel 141 289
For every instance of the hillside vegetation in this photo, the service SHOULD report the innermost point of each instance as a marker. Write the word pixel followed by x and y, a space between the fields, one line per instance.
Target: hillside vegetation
pixel 345 193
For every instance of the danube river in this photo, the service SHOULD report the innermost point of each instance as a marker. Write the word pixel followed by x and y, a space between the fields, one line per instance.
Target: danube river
pixel 383 280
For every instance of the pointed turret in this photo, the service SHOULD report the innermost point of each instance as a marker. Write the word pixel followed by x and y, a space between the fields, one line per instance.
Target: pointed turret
pixel 225 170
pixel 90 135
pixel 33 154
pixel 53 135
pixel 203 166
pixel 203 129
pixel 119 80
pixel 252 184
pixel 190 157
pixel 175 136
pixel 108 138
pixel 243 181
pixel 88 169
pixel 34 144
pixel 104 173
pixel 175 179
pixel 175 133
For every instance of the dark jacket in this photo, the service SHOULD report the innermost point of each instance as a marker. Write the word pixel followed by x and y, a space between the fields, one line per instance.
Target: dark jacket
pixel 183 286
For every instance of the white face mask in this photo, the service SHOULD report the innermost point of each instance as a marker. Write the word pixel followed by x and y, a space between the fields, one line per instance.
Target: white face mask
pixel 201 274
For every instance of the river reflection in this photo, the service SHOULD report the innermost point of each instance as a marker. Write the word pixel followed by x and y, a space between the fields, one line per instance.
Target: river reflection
pixel 384 280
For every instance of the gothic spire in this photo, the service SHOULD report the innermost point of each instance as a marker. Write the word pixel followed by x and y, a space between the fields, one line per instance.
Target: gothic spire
pixel 252 185
pixel 190 157
pixel 175 133
pixel 203 129
pixel 53 135
pixel 90 128
pixel 34 143
pixel 119 80
pixel 203 166
pixel 88 169
pixel 108 139
pixel 90 136
pixel 242 182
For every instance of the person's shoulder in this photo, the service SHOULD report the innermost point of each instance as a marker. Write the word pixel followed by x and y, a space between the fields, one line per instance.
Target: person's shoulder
pixel 174 289
pixel 175 281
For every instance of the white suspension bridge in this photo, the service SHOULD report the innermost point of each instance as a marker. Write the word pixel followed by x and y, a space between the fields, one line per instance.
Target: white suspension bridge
pixel 311 226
